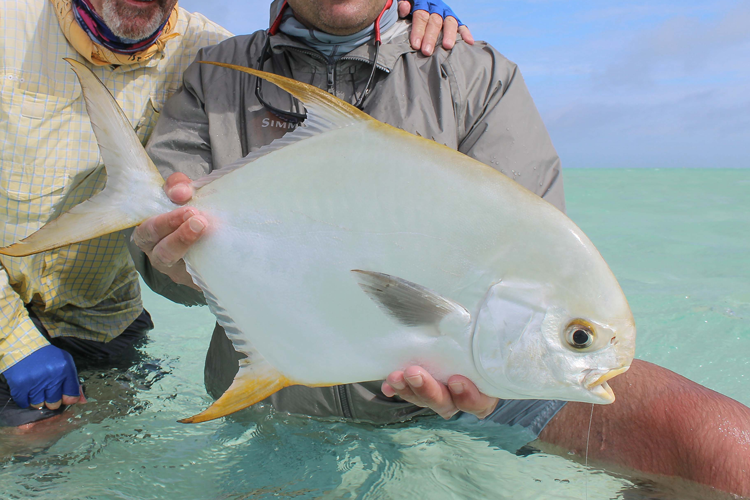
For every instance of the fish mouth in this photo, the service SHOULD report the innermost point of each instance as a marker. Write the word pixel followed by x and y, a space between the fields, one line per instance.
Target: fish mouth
pixel 600 389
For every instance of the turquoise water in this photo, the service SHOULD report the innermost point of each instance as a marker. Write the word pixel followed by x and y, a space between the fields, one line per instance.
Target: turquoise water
pixel 679 242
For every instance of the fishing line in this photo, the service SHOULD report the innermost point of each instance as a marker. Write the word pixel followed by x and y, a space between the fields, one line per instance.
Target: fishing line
pixel 588 436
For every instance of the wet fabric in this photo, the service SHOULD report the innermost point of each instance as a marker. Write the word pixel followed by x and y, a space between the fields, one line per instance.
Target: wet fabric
pixel 86 354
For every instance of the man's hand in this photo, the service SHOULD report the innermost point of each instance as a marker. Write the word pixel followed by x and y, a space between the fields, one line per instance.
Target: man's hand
pixel 48 377
pixel 428 18
pixel 419 387
pixel 166 238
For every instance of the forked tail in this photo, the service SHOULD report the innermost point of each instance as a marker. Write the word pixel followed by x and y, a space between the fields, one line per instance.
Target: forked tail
pixel 134 187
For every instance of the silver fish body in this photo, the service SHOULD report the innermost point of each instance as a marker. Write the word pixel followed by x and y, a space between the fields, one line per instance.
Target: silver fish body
pixel 349 249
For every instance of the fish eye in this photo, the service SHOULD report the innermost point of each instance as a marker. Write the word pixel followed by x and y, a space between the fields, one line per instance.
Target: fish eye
pixel 579 334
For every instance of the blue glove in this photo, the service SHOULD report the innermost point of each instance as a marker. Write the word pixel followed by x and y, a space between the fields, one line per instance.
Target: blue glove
pixel 435 7
pixel 44 375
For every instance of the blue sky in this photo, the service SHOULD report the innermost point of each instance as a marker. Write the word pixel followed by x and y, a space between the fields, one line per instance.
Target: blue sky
pixel 619 84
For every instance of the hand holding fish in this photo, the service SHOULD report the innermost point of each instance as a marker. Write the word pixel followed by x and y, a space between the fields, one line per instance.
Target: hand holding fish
pixel 166 238
pixel 417 386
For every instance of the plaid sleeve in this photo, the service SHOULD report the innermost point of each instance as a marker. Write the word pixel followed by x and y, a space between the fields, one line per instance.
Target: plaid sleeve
pixel 19 336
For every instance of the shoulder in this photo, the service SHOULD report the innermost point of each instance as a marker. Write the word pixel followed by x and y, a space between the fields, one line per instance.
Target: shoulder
pixel 478 65
pixel 473 69
pixel 198 31
pixel 241 49
pixel 19 17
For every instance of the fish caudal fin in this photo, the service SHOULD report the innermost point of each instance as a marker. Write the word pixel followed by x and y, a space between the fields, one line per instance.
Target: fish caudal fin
pixel 134 187
pixel 255 381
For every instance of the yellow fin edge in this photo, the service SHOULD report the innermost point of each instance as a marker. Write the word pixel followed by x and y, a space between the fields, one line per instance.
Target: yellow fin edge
pixel 244 392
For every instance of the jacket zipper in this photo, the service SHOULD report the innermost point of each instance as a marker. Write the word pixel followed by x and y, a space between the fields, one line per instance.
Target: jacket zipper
pixel 344 401
pixel 331 78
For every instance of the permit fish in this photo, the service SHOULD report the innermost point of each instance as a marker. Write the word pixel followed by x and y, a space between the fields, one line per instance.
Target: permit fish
pixel 348 249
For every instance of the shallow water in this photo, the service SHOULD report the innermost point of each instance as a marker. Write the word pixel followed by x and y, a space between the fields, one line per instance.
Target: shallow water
pixel 678 240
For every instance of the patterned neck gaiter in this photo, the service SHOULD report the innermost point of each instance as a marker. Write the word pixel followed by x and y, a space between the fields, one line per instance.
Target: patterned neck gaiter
pixel 99 54
pixel 95 28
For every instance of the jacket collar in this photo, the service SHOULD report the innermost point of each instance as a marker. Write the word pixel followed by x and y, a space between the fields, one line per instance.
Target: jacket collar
pixel 394 46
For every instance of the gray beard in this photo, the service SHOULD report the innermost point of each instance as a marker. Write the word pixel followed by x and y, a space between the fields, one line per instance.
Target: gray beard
pixel 121 27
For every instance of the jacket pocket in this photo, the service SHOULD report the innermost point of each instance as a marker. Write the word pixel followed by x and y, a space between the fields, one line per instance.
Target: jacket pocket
pixel 36 133
pixel 45 140
pixel 146 122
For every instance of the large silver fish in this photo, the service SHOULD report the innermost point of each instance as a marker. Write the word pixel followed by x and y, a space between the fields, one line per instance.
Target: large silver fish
pixel 349 249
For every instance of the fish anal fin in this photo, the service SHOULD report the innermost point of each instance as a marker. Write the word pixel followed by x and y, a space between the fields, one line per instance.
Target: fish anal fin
pixel 254 382
pixel 413 305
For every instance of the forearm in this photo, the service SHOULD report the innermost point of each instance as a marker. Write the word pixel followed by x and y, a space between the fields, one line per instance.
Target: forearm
pixel 660 423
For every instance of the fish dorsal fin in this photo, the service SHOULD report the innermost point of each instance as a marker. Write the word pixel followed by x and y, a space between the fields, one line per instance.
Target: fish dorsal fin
pixel 413 305
pixel 318 102
pixel 324 113
pixel 256 379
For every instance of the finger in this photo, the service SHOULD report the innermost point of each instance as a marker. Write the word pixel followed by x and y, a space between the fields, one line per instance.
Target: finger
pixel 71 400
pixel 36 398
pixel 404 7
pixel 430 391
pixel 53 406
pixel 387 390
pixel 400 388
pixel 419 21
pixel 70 385
pixel 82 398
pixel 468 399
pixel 153 230
pixel 21 398
pixel 431 32
pixel 466 34
pixel 179 188
pixel 173 248
pixel 450 28
pixel 53 394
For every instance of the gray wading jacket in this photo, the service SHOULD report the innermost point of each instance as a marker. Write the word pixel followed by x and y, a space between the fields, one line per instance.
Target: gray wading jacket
pixel 472 99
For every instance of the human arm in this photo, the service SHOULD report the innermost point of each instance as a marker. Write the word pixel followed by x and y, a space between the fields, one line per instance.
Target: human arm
pixel 36 371
pixel 663 424
pixel 428 18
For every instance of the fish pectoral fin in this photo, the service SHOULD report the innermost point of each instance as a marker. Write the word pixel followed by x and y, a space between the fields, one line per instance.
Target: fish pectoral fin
pixel 413 305
pixel 255 381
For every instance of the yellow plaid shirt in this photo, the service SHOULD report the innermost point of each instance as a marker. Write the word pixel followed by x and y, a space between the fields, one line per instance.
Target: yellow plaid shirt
pixel 50 162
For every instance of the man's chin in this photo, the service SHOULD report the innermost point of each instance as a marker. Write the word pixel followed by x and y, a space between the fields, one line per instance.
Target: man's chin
pixel 135 19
